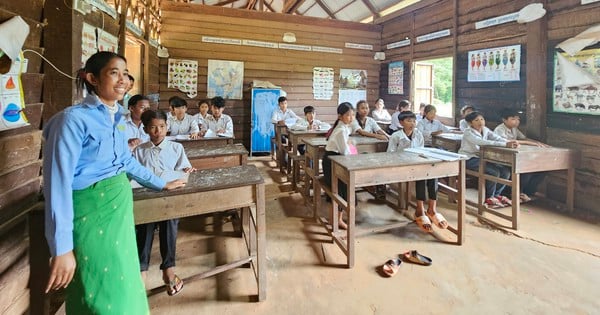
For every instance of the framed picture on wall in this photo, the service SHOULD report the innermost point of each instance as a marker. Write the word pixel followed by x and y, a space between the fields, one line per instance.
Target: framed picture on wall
pixel 577 82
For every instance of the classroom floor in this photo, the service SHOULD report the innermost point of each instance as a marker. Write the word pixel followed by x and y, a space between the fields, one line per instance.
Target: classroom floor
pixel 550 266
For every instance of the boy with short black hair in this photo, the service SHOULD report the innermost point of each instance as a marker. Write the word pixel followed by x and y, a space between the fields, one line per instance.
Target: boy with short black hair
pixel 180 122
pixel 219 123
pixel 283 114
pixel 134 128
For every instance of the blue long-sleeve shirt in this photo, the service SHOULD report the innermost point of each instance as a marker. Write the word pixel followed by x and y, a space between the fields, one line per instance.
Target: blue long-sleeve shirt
pixel 83 146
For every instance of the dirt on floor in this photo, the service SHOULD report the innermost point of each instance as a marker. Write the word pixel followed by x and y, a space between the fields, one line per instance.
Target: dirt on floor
pixel 550 266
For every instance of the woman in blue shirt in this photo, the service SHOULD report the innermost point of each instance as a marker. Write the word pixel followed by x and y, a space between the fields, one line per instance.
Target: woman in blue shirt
pixel 89 204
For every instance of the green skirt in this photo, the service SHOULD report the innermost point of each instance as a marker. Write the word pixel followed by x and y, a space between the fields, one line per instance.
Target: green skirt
pixel 107 279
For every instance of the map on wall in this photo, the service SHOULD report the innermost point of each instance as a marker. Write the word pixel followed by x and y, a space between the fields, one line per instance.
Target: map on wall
pixel 577 82
pixel 494 64
pixel 225 79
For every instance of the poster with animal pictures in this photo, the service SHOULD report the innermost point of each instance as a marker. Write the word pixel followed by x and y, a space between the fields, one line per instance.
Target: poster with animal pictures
pixel 353 86
pixel 12 101
pixel 577 82
pixel 183 75
pixel 494 64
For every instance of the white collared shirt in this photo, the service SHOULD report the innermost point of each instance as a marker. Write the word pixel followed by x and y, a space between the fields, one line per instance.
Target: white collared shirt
pixel 186 126
pixel 400 141
pixel 278 115
pixel 338 140
pixel 427 126
pixel 223 123
pixel 472 140
pixel 134 132
pixel 201 120
pixel 370 125
pixel 381 115
pixel 395 124
pixel 463 124
pixel 167 156
pixel 302 124
pixel 509 133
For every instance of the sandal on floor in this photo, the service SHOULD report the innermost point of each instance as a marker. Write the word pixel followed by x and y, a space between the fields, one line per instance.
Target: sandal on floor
pixel 492 202
pixel 524 198
pixel 174 286
pixel 437 219
pixel 422 221
pixel 504 200
pixel 414 257
pixel 391 266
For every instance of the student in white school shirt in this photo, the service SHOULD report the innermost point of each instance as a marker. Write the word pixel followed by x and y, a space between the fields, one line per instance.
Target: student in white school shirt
pixel 379 113
pixel 203 108
pixel 365 125
pixel 429 126
pixel 180 122
pixel 134 128
pixel 411 137
pixel 219 123
pixel 282 115
pixel 404 105
pixel 309 122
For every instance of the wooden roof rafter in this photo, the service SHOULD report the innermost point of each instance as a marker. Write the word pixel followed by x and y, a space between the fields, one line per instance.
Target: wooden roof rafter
pixel 291 6
pixel 326 9
pixel 371 8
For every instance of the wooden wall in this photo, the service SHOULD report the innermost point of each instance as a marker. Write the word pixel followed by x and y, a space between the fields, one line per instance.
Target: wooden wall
pixel 20 168
pixel 185 24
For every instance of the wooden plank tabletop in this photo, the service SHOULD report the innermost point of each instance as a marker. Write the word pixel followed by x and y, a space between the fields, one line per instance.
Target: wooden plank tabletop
pixel 381 160
pixel 227 149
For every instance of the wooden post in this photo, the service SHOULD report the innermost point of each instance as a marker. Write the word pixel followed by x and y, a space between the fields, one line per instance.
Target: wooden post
pixel 536 70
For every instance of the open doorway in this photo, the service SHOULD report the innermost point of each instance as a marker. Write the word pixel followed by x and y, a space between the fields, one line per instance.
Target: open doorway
pixel 433 85
pixel 134 52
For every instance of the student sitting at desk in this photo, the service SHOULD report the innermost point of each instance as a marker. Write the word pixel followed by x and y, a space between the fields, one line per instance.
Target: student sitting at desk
pixel 180 122
pixel 338 143
pixel 475 136
pixel 464 111
pixel 203 107
pixel 421 114
pixel 380 113
pixel 410 137
pixel 219 123
pixel 429 126
pixel 309 123
pixel 404 105
pixel 134 128
pixel 365 125
pixel 509 130
pixel 282 115
pixel 160 156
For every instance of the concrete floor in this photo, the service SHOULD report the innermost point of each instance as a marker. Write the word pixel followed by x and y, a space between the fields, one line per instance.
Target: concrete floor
pixel 550 266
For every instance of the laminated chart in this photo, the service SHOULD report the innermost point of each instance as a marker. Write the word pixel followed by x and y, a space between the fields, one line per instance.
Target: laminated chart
pixel 12 101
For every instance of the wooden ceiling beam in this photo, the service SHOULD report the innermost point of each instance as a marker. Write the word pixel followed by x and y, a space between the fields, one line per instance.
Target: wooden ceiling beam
pixel 250 5
pixel 326 9
pixel 226 2
pixel 371 8
pixel 292 6
pixel 268 6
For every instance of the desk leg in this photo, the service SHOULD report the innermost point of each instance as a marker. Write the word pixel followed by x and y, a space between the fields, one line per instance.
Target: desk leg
pixel 481 190
pixel 516 205
pixel 570 189
pixel 261 243
pixel 351 220
pixel 460 236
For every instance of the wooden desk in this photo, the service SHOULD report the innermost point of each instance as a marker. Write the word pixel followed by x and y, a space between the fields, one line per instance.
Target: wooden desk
pixel 205 142
pixel 385 125
pixel 315 149
pixel 447 141
pixel 525 159
pixel 210 191
pixel 208 157
pixel 297 136
pixel 385 168
pixel 280 130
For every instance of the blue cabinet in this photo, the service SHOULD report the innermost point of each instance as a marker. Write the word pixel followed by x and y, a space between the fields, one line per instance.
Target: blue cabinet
pixel 264 102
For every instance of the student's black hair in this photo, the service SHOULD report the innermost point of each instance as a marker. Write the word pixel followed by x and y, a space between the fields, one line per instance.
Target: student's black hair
pixel 150 114
pixel 176 101
pixel 342 109
pixel 422 105
pixel 509 112
pixel 308 109
pixel 403 104
pixel 427 109
pixel 406 114
pixel 281 99
pixel 131 78
pixel 135 99
pixel 472 115
pixel 94 65
pixel 218 102
pixel 205 101
pixel 357 115
pixel 466 108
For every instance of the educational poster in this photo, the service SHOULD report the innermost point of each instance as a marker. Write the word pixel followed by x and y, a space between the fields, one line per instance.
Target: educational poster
pixel 353 86
pixel 106 41
pixel 12 101
pixel 577 82
pixel 88 42
pixel 396 77
pixel 494 64
pixel 323 83
pixel 183 75
pixel 225 79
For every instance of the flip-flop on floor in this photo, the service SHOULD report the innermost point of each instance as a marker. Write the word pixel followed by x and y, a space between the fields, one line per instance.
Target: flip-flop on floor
pixel 415 258
pixel 391 266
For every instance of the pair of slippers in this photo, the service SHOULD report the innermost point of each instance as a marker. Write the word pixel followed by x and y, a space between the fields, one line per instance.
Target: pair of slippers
pixel 427 219
pixel 390 268
pixel 174 286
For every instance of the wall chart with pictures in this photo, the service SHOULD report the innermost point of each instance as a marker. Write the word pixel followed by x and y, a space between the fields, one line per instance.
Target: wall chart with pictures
pixel 183 75
pixel 577 82
pixel 495 64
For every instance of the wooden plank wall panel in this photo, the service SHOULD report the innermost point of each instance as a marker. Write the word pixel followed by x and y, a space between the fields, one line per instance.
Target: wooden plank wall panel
pixel 20 166
pixel 185 24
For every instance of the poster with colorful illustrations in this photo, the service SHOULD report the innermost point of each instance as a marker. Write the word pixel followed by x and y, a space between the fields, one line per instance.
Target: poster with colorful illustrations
pixel 12 101
pixel 396 77
pixel 225 79
pixel 183 75
pixel 323 83
pixel 88 42
pixel 494 64
pixel 353 86
pixel 577 82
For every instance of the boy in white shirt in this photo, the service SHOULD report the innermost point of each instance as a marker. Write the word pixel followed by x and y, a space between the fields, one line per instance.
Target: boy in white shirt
pixel 283 114
pixel 404 105
pixel 180 122
pixel 464 111
pixel 219 123
pixel 134 128
pixel 309 123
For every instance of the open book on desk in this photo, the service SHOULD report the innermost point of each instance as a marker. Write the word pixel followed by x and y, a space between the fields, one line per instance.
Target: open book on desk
pixel 436 154
pixel 167 176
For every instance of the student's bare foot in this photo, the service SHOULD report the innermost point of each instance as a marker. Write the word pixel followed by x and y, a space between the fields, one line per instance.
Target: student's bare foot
pixel 437 219
pixel 342 225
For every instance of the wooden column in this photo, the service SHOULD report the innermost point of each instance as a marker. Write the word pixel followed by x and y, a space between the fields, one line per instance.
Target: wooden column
pixel 535 66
